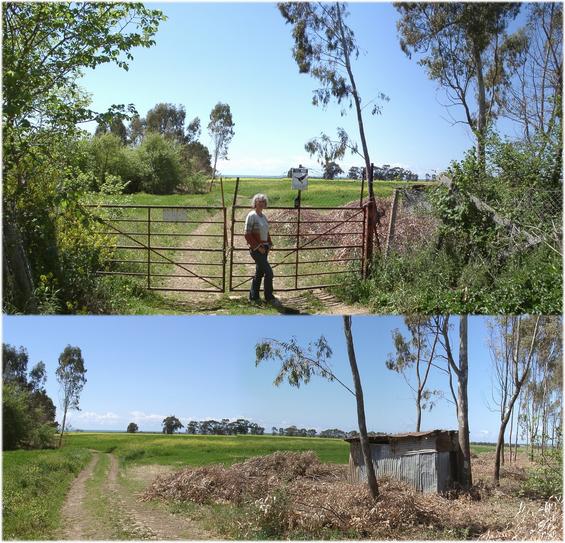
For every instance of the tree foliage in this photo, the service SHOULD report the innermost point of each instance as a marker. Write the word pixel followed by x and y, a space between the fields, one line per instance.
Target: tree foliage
pixel 464 46
pixel 324 47
pixel 299 364
pixel 221 131
pixel 46 46
pixel 171 425
pixel 132 428
pixel 414 354
pixel 28 414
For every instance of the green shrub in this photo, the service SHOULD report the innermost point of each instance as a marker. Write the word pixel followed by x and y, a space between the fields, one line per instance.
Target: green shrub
pixel 546 479
pixel 434 281
pixel 163 167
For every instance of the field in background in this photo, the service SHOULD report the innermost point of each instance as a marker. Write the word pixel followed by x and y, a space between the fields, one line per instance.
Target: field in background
pixel 196 450
pixel 321 192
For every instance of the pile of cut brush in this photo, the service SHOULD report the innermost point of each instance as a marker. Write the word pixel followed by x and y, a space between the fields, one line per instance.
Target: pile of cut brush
pixel 300 492
pixel 412 228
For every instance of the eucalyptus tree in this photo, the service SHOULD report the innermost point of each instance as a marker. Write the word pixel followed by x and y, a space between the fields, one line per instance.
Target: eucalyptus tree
pixel 535 101
pixel 221 131
pixel 521 334
pixel 171 424
pixel 460 369
pixel 464 46
pixel 71 375
pixel 324 47
pixel 415 354
pixel 299 365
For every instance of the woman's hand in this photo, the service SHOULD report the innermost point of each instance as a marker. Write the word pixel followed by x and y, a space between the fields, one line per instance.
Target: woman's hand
pixel 261 249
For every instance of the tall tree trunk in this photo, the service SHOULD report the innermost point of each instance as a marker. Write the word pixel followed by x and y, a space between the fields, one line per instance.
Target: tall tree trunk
pixel 418 413
pixel 518 384
pixel 16 268
pixel 463 412
pixel 357 102
pixel 500 440
pixel 63 425
pixel 363 437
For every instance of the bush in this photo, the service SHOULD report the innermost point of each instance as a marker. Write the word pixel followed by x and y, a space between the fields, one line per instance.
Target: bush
pixel 17 421
pixel 546 479
pixel 431 281
pixel 21 426
pixel 163 168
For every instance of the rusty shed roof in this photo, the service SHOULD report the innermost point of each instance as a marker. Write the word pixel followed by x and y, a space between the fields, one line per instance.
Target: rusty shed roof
pixel 388 438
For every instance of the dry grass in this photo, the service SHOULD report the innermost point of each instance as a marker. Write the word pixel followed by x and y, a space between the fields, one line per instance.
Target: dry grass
pixel 294 493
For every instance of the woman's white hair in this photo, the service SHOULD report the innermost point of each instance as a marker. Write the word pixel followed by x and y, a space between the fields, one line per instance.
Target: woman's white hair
pixel 259 197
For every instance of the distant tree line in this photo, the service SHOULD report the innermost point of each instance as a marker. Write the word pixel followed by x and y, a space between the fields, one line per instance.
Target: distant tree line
pixel 222 427
pixel 385 173
pixel 293 431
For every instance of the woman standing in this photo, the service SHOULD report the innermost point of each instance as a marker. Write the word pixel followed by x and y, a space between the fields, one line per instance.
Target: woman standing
pixel 259 241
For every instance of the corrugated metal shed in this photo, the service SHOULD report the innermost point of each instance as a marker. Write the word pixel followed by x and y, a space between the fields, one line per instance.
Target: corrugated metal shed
pixel 428 461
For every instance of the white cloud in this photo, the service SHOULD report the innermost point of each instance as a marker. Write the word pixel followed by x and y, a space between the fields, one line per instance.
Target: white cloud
pixel 94 417
pixel 140 416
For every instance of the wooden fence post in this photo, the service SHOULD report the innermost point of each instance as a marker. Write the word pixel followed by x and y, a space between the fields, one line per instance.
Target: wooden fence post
pixel 371 223
pixel 392 222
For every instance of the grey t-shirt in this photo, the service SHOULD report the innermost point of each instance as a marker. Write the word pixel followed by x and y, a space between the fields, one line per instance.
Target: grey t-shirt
pixel 257 224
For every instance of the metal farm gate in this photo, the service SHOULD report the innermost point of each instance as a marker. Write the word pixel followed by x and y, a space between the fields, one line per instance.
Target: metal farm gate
pixel 173 248
pixel 185 248
pixel 310 245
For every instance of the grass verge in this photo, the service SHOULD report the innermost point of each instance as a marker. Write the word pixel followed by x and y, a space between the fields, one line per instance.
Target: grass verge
pixel 35 484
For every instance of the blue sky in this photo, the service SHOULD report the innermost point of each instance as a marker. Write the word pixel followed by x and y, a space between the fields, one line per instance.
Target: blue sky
pixel 143 369
pixel 240 53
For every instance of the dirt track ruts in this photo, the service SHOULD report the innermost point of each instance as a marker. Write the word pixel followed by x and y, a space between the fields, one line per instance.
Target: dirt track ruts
pixel 119 514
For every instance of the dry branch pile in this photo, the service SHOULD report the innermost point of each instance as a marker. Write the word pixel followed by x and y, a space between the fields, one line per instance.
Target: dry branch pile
pixel 300 491
pixel 412 228
pixel 542 524
pixel 296 493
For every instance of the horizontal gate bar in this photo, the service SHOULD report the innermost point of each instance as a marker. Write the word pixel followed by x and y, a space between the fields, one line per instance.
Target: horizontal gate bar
pixel 185 275
pixel 282 263
pixel 162 248
pixel 272 208
pixel 307 222
pixel 108 219
pixel 309 248
pixel 149 206
pixel 315 234
pixel 290 289
pixel 299 275
pixel 215 289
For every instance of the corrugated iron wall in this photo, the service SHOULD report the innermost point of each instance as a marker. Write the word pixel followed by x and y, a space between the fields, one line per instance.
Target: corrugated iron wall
pixel 424 469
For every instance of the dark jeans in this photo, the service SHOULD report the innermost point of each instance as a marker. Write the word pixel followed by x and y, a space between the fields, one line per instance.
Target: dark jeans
pixel 262 269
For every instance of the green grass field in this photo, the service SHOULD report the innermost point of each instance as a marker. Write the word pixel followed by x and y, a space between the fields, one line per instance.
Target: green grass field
pixel 320 192
pixel 34 487
pixel 35 482
pixel 195 450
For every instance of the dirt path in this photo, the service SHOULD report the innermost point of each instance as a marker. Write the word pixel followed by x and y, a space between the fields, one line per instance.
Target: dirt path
pixel 108 507
pixel 75 525
pixel 298 302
